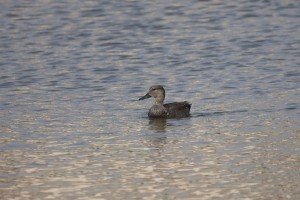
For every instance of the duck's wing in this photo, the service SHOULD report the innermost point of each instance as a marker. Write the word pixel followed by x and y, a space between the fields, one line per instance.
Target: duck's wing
pixel 178 105
pixel 178 109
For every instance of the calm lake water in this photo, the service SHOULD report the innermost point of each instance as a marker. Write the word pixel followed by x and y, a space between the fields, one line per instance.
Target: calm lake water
pixel 72 127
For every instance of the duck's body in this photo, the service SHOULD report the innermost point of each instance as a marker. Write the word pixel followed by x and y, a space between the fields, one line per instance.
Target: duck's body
pixel 169 110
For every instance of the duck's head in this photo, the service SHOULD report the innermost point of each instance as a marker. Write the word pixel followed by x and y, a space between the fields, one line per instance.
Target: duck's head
pixel 156 91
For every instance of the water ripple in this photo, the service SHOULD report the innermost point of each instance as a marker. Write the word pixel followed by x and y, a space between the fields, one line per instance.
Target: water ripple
pixel 72 127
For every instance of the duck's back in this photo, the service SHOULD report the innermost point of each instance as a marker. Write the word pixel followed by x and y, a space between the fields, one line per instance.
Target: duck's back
pixel 178 109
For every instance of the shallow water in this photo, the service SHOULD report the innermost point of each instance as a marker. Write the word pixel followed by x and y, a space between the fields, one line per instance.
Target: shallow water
pixel 71 74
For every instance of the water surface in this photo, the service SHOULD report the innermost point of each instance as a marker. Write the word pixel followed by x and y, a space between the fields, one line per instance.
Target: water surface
pixel 71 74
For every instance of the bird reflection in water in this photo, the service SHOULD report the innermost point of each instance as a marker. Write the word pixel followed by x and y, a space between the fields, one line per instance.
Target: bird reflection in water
pixel 158 139
pixel 158 124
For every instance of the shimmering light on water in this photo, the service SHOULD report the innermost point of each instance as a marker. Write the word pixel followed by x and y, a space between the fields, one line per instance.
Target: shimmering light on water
pixel 72 71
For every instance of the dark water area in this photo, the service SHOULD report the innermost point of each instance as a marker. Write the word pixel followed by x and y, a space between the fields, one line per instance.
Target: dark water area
pixel 72 126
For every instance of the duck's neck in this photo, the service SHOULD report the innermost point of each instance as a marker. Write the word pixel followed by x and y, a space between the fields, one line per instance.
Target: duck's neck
pixel 159 100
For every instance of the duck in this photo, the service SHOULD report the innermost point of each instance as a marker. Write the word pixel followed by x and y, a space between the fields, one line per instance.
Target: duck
pixel 169 110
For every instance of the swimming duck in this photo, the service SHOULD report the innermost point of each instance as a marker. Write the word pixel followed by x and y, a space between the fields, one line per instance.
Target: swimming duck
pixel 169 110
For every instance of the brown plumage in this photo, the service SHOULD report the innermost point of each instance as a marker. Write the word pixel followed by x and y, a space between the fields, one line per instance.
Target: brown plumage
pixel 169 110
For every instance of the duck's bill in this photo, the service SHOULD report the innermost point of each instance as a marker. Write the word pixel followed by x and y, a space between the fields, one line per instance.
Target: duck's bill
pixel 145 97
